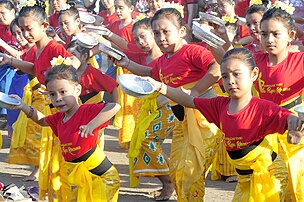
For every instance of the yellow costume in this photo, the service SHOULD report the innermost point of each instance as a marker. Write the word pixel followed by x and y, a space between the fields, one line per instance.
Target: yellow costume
pixel 145 153
pixel 26 139
pixel 269 178
pixel 90 187
pixel 126 118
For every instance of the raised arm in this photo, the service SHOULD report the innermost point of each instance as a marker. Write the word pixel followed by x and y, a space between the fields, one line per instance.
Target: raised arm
pixel 12 51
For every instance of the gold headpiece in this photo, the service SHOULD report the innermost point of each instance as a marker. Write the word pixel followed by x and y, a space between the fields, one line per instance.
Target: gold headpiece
pixel 61 60
pixel 229 19
pixel 255 2
pixel 139 17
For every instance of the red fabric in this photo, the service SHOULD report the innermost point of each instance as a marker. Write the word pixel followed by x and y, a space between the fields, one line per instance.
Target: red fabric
pixel 30 53
pixel 125 32
pixel 243 30
pixel 189 64
pixel 8 38
pixel 72 144
pixel 53 20
pixel 140 57
pixel 93 80
pixel 107 20
pixel 251 47
pixel 43 62
pixel 258 119
pixel 241 7
pixel 283 81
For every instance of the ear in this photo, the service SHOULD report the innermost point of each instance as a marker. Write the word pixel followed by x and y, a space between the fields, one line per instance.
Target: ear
pixel 292 35
pixel 78 89
pixel 45 25
pixel 255 73
pixel 183 31
pixel 131 8
pixel 77 21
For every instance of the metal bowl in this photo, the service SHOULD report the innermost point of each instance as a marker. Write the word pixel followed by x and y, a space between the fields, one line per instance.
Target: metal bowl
pixel 300 111
pixel 86 40
pixel 98 30
pixel 112 52
pixel 204 34
pixel 7 102
pixel 133 85
pixel 86 18
pixel 211 18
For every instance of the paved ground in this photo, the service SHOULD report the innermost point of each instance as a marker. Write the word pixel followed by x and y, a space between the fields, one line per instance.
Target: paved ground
pixel 216 191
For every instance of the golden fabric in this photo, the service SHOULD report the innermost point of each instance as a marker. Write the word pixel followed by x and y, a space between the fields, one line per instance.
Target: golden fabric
pixel 262 187
pixel 92 188
pixel 126 118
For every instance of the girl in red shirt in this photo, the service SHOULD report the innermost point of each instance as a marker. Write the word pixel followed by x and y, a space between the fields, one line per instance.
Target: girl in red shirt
pixel 183 65
pixel 249 125
pixel 76 127
pixel 33 23
pixel 109 16
pixel 281 81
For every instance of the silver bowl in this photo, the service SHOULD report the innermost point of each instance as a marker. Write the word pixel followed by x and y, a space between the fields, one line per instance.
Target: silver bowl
pixel 86 40
pixel 112 52
pixel 300 111
pixel 133 85
pixel 211 18
pixel 86 18
pixel 8 102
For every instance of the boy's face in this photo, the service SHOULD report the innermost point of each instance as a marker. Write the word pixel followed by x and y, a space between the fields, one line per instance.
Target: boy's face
pixel 122 10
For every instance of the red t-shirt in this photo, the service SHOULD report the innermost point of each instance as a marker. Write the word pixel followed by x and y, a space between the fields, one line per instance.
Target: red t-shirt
pixel 140 58
pixel 94 80
pixel 252 47
pixel 189 64
pixel 283 81
pixel 241 7
pixel 72 144
pixel 42 63
pixel 8 38
pixel 125 32
pixel 258 119
pixel 108 19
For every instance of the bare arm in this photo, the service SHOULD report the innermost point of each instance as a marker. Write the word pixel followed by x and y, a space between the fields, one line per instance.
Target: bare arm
pixel 210 78
pixel 26 67
pixel 173 94
pixel 103 116
pixel 115 95
pixel 12 51
pixel 192 12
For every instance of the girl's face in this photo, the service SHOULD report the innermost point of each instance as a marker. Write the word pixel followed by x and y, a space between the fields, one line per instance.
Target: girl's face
pixel 107 3
pixel 6 15
pixel 122 10
pixel 32 30
pixel 68 24
pixel 144 39
pixel 17 33
pixel 167 36
pixel 237 77
pixel 253 23
pixel 58 3
pixel 275 37
pixel 64 95
pixel 155 5
pixel 226 8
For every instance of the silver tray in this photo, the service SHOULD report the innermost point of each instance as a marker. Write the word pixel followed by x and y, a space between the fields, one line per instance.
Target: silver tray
pixel 97 30
pixel 7 102
pixel 86 18
pixel 112 52
pixel 211 18
pixel 207 36
pixel 133 85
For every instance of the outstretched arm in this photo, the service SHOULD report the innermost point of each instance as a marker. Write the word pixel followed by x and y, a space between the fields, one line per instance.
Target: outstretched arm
pixel 173 94
pixel 26 67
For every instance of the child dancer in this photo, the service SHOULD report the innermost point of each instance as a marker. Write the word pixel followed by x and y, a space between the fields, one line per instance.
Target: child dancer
pixel 109 16
pixel 183 65
pixel 26 139
pixel 33 22
pixel 249 125
pixel 281 81
pixel 77 128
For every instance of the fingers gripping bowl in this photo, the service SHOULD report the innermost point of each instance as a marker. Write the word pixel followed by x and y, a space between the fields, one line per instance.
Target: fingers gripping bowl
pixel 135 86
pixel 8 102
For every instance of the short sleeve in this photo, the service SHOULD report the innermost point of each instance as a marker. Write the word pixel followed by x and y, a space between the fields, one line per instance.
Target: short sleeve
pixel 53 121
pixel 201 57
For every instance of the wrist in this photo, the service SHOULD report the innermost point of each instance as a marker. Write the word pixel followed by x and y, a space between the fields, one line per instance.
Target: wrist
pixel 30 112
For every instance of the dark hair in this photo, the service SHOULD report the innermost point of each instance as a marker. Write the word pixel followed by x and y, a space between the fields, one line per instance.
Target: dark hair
pixel 71 12
pixel 66 72
pixel 8 4
pixel 82 50
pixel 234 28
pixel 256 8
pixel 168 13
pixel 37 11
pixel 228 1
pixel 280 15
pixel 242 54
pixel 145 23
pixel 14 22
